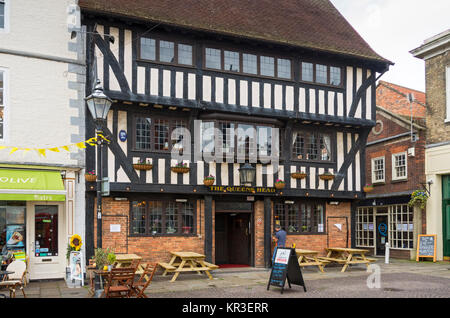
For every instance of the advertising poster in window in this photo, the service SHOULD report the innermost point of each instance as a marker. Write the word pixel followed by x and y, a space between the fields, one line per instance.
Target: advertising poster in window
pixel 15 235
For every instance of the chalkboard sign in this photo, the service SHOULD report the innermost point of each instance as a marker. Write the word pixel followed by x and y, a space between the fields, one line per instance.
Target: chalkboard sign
pixel 285 267
pixel 426 247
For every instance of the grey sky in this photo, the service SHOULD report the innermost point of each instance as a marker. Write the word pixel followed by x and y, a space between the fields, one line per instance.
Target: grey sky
pixel 395 27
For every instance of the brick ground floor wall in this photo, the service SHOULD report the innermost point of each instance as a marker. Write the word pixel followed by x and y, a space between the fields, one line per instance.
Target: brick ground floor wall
pixel 157 248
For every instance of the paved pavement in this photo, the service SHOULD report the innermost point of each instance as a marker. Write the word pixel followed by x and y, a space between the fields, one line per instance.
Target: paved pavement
pixel 399 279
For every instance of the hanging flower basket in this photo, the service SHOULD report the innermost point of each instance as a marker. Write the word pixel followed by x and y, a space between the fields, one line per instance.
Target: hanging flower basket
pixel 90 176
pixel 280 184
pixel 326 176
pixel 299 175
pixel 368 188
pixel 180 168
pixel 208 181
pixel 142 166
pixel 418 198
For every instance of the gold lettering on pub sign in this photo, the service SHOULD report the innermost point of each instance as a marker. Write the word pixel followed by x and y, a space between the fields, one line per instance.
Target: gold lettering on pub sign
pixel 242 189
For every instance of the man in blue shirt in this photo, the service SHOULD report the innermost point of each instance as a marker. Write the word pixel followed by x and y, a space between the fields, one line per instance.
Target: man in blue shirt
pixel 280 237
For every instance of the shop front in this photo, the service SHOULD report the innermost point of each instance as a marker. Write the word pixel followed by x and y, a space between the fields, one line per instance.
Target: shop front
pixel 33 221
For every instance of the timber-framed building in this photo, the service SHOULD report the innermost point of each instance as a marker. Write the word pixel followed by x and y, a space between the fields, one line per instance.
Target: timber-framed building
pixel 296 67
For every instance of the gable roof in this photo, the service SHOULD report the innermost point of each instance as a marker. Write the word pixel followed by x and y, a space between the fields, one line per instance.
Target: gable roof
pixel 393 98
pixel 311 24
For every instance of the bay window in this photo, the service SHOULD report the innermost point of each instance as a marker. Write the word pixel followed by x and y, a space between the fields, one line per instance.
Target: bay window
pixel 300 217
pixel 308 145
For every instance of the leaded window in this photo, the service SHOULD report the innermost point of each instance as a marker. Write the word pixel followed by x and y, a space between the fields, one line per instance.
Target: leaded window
pixel 213 58
pixel 158 50
pixel 284 68
pixel 249 64
pixel 311 146
pixel 300 217
pixel 231 60
pixel 162 217
pixel 267 66
pixel 321 73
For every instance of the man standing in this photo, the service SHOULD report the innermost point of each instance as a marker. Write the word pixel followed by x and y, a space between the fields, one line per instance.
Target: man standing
pixel 280 238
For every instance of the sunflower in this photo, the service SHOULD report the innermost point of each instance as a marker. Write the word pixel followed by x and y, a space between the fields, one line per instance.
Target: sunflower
pixel 75 242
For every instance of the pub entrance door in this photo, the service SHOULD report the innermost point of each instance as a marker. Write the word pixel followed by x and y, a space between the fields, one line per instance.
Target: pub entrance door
pixel 233 237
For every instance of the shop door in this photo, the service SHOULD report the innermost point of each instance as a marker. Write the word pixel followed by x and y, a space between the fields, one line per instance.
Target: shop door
pixel 446 215
pixel 382 234
pixel 233 238
pixel 46 236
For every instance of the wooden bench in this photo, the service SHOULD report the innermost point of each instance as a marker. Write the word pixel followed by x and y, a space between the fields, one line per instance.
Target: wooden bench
pixel 367 259
pixel 211 266
pixel 330 259
pixel 167 266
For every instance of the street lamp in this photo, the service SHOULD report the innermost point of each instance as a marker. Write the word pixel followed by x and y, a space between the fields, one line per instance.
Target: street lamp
pixel 247 174
pixel 99 104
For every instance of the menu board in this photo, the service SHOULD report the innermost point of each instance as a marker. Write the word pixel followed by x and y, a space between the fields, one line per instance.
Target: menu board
pixel 285 267
pixel 426 246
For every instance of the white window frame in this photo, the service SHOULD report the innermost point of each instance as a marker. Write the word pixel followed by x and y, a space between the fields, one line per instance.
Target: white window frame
pixel 6 103
pixel 401 227
pixel 365 227
pixel 5 28
pixel 447 90
pixel 374 181
pixel 394 170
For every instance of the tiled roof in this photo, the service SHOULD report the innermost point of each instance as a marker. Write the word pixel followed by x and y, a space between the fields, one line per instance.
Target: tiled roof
pixel 311 24
pixel 393 98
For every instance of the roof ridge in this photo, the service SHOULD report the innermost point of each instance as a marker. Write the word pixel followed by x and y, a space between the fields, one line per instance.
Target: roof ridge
pixel 401 93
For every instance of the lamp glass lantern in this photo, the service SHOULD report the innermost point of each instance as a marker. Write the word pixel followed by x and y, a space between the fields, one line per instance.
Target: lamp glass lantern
pixel 98 103
pixel 247 174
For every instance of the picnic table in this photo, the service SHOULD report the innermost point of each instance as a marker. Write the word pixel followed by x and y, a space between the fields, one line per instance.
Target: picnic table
pixel 309 258
pixel 187 262
pixel 125 260
pixel 347 256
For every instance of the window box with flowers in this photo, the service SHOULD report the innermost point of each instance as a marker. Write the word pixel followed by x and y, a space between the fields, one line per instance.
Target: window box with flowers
pixel 180 168
pixel 418 198
pixel 208 181
pixel 143 164
pixel 279 184
pixel 90 176
pixel 368 188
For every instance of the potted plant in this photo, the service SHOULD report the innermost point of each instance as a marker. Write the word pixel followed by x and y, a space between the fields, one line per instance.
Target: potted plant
pixel 208 181
pixel 90 176
pixel 299 175
pixel 180 168
pixel 368 187
pixel 279 184
pixel 327 176
pixel 419 198
pixel 143 164
pixel 101 258
pixel 111 260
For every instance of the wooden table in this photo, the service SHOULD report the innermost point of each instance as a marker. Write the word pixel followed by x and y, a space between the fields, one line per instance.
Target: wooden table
pixel 187 262
pixel 125 260
pixel 309 258
pixel 100 273
pixel 347 256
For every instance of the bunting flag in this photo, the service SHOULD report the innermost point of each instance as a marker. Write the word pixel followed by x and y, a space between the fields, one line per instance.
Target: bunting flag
pixel 42 151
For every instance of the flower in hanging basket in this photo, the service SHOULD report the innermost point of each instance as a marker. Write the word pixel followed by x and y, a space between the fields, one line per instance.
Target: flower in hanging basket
pixel 299 175
pixel 279 184
pixel 326 176
pixel 368 187
pixel 180 167
pixel 418 197
pixel 143 164
pixel 208 180
pixel 90 176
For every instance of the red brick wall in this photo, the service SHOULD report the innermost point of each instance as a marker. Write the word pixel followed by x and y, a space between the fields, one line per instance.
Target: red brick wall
pixel 156 249
pixel 392 97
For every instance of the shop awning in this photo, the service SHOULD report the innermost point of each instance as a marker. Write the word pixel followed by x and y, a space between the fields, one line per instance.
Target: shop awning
pixel 31 185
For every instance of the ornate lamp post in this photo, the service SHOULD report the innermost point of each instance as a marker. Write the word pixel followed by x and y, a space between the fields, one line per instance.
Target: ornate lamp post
pixel 247 174
pixel 99 104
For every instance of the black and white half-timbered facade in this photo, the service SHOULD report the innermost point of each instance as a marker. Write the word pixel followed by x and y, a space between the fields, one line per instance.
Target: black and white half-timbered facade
pixel 288 85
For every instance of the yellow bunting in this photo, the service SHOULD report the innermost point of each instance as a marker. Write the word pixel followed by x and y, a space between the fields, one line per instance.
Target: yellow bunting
pixel 66 148
pixel 13 150
pixel 81 145
pixel 54 149
pixel 41 152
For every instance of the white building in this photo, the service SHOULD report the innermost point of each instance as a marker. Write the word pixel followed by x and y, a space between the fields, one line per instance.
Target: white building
pixel 42 75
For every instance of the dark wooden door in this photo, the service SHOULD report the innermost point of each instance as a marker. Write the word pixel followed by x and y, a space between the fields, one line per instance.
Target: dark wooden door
pixel 222 238
pixel 382 234
pixel 239 238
